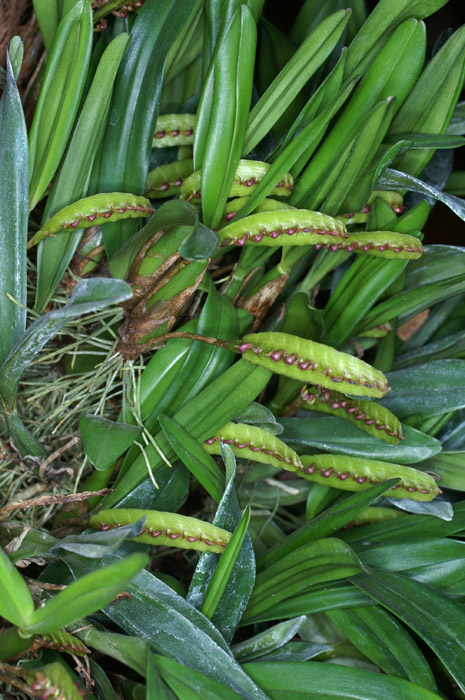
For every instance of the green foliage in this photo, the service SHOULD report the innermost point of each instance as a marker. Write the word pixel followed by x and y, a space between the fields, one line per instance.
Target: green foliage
pixel 197 557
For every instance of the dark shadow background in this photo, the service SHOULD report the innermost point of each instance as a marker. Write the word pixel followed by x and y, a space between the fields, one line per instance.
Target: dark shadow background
pixel 443 226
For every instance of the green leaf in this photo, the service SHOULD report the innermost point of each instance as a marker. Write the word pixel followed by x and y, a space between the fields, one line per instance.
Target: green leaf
pixel 436 141
pixel 310 680
pixel 450 466
pixel 408 526
pixel 427 390
pixel 88 296
pixel 85 596
pixel 71 182
pixel 329 597
pixel 417 605
pixel 192 454
pixel 385 642
pixel 104 440
pixel 47 19
pixel 399 180
pixel 221 575
pixel 410 302
pixel 242 578
pixel 307 59
pixel 154 611
pixel 325 524
pixel 267 641
pixel 431 102
pixel 333 434
pixel 377 29
pixel 204 415
pixel 13 214
pixel 227 114
pixel 314 563
pixel 59 97
pixel 128 138
pixel 172 213
pixel 96 545
pixel 16 604
pixel 201 244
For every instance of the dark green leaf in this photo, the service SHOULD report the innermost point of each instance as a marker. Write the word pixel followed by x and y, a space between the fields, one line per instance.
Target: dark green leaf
pixel 332 434
pixel 104 440
pixel 417 605
pixel 311 680
pixel 199 462
pixel 428 390
pixel 13 215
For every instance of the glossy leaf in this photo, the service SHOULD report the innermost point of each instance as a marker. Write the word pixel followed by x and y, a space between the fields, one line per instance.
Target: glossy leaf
pixel 104 440
pixel 13 215
pixel 428 390
pixel 59 97
pixel 303 64
pixel 221 575
pixel 199 463
pixel 128 138
pixel 71 182
pixel 385 642
pixel 417 605
pixel 16 603
pixel 311 680
pixel 325 524
pixel 85 596
pixel 241 581
pixel 400 180
pixel 332 434
pixel 154 611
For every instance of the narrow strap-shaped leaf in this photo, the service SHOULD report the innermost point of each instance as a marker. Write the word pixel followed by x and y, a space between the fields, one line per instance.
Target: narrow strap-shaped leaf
pixel 223 571
pixel 438 620
pixel 326 523
pixel 385 642
pixel 199 463
pixel 232 91
pixel 16 604
pixel 13 215
pixel 85 596
pixel 54 254
pixel 128 139
pixel 400 180
pixel 307 59
pixel 59 97
pixel 311 680
pixel 239 587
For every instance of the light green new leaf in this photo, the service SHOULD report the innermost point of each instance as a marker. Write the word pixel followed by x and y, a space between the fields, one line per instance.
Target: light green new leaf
pixel 85 596
pixel 16 604
pixel 223 571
